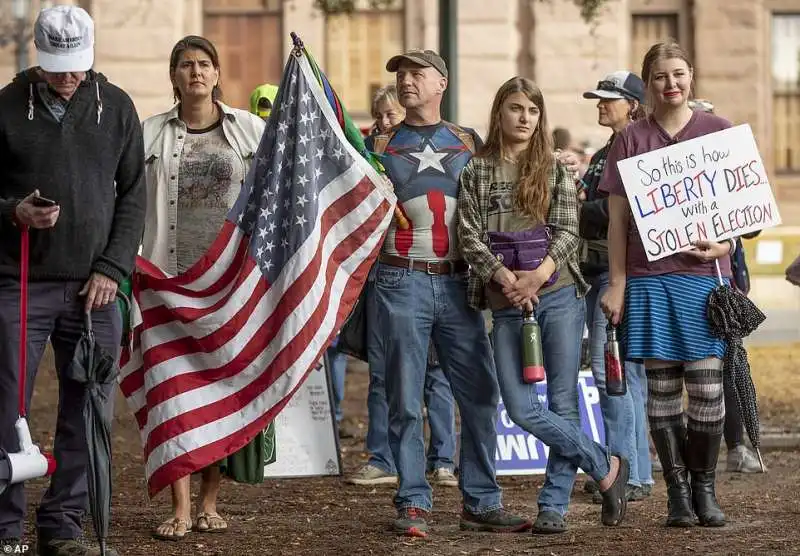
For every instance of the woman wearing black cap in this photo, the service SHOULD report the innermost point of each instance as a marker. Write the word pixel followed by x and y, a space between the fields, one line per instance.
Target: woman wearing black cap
pixel 620 97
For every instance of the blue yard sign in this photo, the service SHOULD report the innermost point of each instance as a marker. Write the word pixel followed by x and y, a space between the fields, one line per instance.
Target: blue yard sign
pixel 520 453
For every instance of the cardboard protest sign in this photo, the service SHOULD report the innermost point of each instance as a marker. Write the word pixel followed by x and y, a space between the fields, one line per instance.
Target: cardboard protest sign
pixel 712 187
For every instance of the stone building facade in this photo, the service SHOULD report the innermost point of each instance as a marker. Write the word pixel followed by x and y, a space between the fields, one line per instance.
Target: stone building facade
pixel 736 46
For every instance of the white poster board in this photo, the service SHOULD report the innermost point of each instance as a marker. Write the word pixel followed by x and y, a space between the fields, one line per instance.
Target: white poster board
pixel 306 439
pixel 712 187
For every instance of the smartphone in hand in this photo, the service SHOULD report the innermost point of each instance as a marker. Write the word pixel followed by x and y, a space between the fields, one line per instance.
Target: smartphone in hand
pixel 43 202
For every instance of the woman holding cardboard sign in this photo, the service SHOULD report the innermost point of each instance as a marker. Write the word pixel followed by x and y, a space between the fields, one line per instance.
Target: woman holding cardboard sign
pixel 665 322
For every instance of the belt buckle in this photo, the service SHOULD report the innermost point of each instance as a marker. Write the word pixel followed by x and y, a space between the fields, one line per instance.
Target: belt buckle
pixel 429 267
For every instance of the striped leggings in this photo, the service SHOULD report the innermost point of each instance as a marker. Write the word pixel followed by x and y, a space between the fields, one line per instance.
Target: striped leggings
pixel 703 379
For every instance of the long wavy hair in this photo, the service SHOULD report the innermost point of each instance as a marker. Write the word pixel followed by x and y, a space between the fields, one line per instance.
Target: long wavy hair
pixel 532 194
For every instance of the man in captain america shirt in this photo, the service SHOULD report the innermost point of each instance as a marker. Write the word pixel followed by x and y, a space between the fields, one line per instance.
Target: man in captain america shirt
pixel 417 292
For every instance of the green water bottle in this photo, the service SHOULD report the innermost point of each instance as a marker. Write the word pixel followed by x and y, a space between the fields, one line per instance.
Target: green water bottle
pixel 532 356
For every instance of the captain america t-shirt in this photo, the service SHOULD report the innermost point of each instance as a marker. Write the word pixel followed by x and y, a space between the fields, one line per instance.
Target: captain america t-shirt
pixel 424 164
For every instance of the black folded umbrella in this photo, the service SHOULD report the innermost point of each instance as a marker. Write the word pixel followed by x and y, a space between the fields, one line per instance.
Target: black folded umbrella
pixel 733 316
pixel 95 368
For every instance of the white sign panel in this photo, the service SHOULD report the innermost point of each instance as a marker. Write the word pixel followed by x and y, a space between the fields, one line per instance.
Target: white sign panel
pixel 305 433
pixel 712 187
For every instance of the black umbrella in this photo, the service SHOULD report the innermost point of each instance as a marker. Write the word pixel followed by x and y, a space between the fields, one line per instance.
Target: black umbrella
pixel 733 316
pixel 95 368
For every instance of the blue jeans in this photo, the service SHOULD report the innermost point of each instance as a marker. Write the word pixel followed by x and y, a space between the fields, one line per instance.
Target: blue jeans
pixel 338 363
pixel 560 315
pixel 619 414
pixel 406 308
pixel 637 385
pixel 441 419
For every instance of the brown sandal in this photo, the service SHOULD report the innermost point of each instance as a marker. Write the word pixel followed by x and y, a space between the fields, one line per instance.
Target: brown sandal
pixel 210 522
pixel 180 528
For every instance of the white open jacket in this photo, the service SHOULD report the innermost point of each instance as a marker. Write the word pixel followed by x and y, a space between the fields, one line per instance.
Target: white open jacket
pixel 164 135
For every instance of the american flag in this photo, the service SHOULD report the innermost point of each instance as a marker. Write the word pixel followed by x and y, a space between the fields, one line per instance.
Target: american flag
pixel 218 351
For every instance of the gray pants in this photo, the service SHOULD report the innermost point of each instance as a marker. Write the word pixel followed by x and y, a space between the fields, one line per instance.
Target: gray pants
pixel 55 312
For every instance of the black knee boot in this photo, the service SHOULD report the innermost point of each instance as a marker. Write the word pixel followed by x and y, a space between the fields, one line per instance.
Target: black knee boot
pixel 670 444
pixel 702 451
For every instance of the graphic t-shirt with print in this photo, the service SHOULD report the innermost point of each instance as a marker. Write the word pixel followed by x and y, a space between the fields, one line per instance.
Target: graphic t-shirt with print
pixel 209 180
pixel 424 164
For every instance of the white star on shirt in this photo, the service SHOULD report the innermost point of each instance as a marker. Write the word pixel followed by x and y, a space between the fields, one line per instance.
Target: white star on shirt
pixel 269 246
pixel 429 159
pixel 283 126
pixel 301 200
pixel 301 220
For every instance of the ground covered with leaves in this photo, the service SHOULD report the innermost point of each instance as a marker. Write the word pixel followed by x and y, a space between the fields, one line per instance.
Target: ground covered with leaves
pixel 325 516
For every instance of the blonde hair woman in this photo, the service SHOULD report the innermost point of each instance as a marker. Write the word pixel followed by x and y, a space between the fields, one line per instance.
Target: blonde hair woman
pixel 662 304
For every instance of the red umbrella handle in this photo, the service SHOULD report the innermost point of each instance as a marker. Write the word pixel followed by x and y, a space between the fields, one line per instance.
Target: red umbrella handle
pixel 23 316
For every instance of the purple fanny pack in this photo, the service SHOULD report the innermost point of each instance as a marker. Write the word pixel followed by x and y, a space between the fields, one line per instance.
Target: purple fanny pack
pixel 522 250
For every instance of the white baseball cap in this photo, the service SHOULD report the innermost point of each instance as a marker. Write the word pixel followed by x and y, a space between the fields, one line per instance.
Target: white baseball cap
pixel 64 39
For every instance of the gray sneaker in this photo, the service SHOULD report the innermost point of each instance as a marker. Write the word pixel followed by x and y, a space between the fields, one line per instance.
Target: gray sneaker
pixel 742 460
pixel 371 475
pixel 444 477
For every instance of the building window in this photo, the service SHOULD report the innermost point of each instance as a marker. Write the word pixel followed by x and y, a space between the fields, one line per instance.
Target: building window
pixel 786 92
pixel 357 46
pixel 647 30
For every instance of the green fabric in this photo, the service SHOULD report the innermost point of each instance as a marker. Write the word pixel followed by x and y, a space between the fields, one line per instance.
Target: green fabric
pixel 247 465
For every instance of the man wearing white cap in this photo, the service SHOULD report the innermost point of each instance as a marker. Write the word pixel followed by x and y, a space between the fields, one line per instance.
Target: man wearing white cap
pixel 72 172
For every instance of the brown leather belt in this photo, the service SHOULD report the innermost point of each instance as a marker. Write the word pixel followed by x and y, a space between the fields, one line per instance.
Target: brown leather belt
pixel 428 267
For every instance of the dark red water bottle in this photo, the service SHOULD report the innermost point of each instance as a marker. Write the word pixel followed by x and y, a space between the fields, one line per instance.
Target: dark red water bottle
pixel 532 356
pixel 616 385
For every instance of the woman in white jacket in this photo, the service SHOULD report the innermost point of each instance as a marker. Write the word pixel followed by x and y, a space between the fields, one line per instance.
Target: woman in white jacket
pixel 197 156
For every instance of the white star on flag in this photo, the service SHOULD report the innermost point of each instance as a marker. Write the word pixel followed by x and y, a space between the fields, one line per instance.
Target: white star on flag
pixel 429 159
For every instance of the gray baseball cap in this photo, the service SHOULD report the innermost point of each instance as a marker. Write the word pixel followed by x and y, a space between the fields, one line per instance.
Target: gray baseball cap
pixel 426 58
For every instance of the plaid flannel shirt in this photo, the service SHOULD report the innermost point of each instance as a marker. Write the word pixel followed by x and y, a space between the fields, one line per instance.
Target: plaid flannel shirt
pixel 477 180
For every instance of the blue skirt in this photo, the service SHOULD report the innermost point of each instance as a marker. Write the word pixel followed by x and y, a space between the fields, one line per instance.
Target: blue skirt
pixel 665 318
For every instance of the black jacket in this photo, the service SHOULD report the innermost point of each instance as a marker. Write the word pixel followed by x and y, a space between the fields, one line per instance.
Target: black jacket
pixel 91 163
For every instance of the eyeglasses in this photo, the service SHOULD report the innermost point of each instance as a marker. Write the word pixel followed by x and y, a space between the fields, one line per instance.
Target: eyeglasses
pixel 610 86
